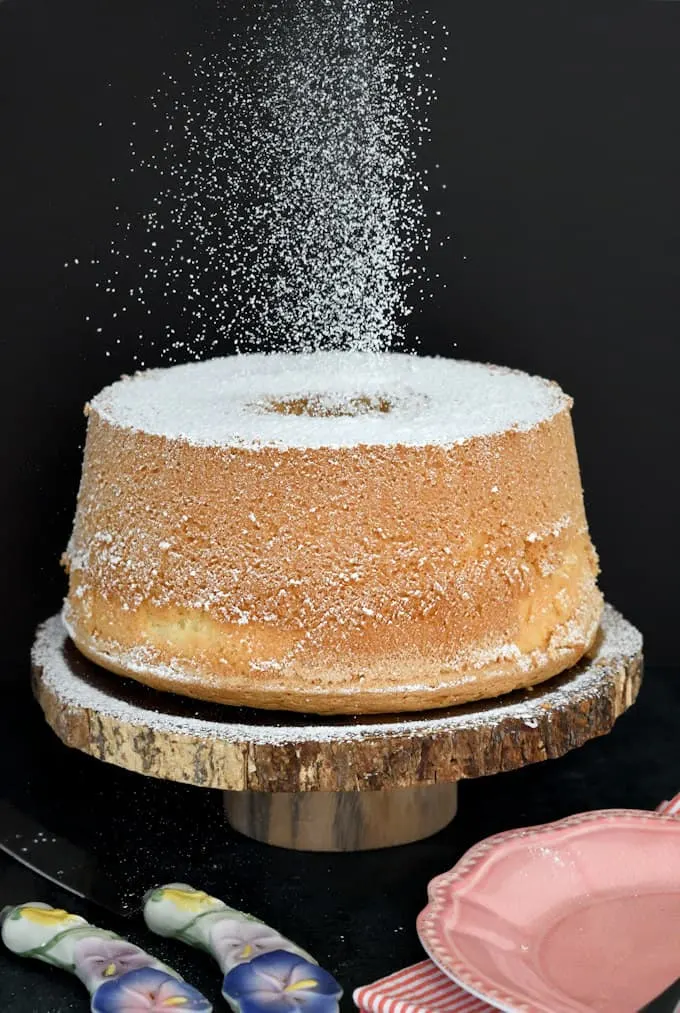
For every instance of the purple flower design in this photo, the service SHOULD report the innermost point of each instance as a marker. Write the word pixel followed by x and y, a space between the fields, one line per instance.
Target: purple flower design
pixel 234 940
pixel 98 959
pixel 148 990
pixel 281 982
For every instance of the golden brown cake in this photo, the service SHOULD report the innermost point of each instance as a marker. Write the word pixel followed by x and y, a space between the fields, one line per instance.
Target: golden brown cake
pixel 335 533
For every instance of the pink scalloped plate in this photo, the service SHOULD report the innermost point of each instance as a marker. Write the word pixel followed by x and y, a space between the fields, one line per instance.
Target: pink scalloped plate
pixel 579 916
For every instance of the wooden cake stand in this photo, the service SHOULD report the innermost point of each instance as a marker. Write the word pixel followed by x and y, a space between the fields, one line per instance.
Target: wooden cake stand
pixel 332 784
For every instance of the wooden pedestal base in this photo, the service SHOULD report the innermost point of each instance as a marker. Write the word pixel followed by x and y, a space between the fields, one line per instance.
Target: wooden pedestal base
pixel 332 784
pixel 342 820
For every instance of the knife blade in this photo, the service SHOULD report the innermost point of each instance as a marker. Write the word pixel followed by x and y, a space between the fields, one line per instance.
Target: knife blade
pixel 63 863
pixel 17 882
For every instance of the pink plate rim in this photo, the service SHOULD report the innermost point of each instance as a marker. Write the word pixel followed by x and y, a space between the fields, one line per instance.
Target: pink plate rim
pixel 444 954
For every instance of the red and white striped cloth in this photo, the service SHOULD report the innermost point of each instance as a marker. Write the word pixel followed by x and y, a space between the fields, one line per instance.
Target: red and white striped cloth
pixel 423 988
pixel 671 808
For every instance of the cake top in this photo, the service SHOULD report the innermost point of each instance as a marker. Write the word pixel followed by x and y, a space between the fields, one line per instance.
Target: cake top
pixel 328 399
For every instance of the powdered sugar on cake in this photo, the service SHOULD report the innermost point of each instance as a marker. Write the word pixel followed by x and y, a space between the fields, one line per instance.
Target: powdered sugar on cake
pixel 618 641
pixel 328 399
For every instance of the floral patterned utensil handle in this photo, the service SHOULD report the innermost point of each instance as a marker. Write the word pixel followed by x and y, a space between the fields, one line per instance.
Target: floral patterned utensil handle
pixel 120 977
pixel 263 971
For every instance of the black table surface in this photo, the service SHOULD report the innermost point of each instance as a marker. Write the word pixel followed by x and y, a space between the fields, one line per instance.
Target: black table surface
pixel 355 912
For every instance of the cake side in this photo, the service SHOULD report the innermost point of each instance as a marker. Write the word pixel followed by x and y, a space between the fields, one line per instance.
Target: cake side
pixel 333 579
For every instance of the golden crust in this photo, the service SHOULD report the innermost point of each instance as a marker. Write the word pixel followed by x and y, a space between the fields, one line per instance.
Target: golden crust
pixel 350 580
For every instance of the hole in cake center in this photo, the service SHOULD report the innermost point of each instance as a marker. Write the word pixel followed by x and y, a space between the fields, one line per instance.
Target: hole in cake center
pixel 329 406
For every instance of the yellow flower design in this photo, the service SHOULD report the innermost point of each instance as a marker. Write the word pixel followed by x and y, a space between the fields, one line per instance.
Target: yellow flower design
pixel 304 985
pixel 187 900
pixel 51 916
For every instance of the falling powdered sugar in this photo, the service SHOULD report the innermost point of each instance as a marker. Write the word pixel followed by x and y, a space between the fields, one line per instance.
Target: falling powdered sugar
pixel 288 210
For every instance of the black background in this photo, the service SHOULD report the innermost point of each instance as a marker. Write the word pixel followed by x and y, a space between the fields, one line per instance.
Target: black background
pixel 557 135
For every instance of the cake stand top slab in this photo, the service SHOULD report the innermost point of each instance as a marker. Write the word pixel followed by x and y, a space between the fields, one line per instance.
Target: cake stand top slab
pixel 166 736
